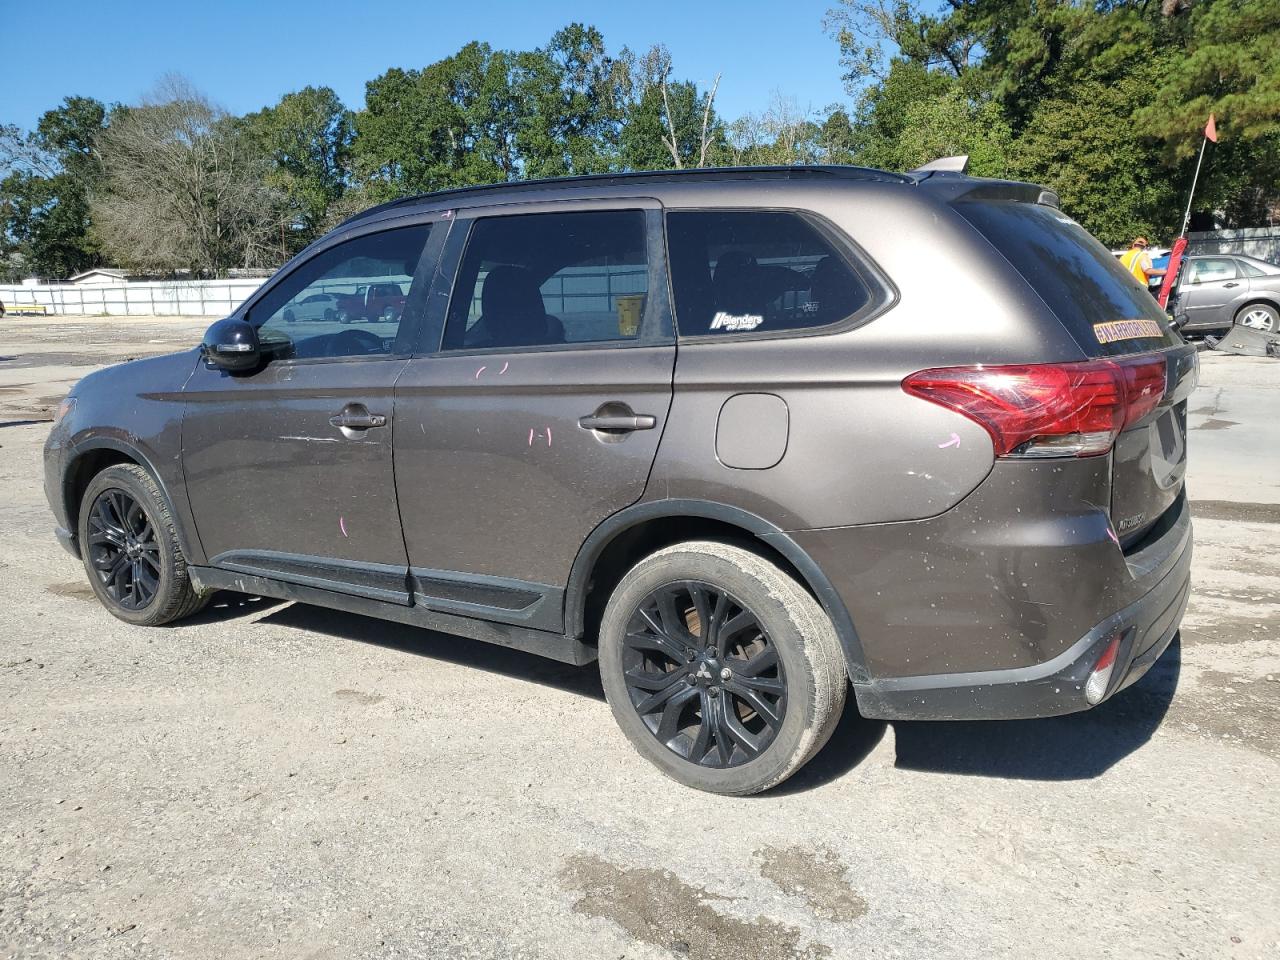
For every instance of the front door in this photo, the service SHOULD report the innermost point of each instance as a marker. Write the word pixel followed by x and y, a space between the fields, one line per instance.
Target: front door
pixel 540 412
pixel 1209 291
pixel 289 468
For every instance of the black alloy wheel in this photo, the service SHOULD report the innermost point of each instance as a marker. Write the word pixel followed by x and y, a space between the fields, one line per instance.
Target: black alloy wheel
pixel 124 549
pixel 703 674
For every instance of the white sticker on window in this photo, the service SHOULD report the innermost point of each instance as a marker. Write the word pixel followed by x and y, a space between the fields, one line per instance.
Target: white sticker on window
pixel 736 321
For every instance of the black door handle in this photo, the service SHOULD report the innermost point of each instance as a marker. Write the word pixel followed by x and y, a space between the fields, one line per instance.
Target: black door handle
pixel 357 418
pixel 619 423
pixel 1231 285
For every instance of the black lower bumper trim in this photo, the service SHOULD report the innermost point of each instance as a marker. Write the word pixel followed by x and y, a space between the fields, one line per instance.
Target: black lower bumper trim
pixel 1056 687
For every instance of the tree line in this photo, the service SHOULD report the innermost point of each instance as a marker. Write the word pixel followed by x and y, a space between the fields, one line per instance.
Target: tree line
pixel 1102 101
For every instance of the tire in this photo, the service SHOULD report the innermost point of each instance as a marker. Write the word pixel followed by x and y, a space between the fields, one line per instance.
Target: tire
pixel 104 522
pixel 1259 316
pixel 634 662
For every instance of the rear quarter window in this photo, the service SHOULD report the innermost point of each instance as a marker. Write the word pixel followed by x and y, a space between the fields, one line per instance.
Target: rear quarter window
pixel 757 272
pixel 1100 303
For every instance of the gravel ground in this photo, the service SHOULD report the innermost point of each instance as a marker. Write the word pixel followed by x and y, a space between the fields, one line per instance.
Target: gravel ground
pixel 275 780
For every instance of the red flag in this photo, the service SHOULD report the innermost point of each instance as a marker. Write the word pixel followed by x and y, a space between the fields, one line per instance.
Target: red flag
pixel 1175 261
pixel 1211 129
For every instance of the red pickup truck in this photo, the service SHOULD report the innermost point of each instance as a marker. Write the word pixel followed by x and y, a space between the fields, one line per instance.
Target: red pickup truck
pixel 376 302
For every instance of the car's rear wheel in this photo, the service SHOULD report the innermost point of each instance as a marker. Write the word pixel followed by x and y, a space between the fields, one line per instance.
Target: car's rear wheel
pixel 1259 316
pixel 720 668
pixel 131 551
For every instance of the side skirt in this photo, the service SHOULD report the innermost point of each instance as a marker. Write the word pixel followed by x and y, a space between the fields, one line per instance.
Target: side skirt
pixel 554 646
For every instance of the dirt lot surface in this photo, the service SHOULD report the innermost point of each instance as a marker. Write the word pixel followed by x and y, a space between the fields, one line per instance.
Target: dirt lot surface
pixel 274 780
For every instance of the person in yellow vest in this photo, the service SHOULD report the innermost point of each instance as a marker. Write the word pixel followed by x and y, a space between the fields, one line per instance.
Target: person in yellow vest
pixel 1138 262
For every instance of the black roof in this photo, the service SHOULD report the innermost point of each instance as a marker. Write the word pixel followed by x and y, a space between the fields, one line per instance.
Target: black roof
pixel 697 175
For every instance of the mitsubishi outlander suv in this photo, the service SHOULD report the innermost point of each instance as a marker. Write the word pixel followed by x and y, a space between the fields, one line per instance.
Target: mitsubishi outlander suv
pixel 752 439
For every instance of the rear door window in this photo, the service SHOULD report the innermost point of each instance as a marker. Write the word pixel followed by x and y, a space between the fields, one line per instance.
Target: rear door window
pixel 1103 308
pixel 735 272
pixel 544 279
pixel 1208 269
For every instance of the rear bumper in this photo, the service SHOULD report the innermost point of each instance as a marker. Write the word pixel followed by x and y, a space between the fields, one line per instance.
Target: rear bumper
pixel 1146 627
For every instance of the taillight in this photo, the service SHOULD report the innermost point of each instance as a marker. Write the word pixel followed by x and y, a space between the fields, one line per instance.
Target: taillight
pixel 1048 409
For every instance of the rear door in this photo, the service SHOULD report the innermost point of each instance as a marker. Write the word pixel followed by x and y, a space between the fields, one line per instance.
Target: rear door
pixel 1209 290
pixel 1108 316
pixel 536 404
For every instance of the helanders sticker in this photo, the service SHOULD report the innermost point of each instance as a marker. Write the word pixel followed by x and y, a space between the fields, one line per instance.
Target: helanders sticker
pixel 736 321
pixel 1127 330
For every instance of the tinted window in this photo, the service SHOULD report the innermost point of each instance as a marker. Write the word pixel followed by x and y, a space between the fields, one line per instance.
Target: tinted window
pixel 1207 269
pixel 1075 275
pixel 1247 269
pixel 346 301
pixel 549 278
pixel 756 271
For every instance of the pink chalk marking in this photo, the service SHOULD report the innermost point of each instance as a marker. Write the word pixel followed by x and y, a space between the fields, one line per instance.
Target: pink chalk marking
pixel 478 372
pixel 503 370
pixel 1112 535
pixel 548 436
pixel 953 442
pixel 342 525
pixel 531 436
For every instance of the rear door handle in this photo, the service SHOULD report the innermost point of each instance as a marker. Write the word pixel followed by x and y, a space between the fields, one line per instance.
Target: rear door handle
pixel 357 418
pixel 1230 285
pixel 619 423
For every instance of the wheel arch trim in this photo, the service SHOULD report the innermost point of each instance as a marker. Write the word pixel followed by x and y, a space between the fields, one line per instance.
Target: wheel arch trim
pixel 79 450
pixel 612 527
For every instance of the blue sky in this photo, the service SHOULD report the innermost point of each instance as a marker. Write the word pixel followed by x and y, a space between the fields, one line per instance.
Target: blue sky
pixel 246 54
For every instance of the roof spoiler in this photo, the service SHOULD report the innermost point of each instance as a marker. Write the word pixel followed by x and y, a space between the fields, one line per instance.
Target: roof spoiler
pixel 958 164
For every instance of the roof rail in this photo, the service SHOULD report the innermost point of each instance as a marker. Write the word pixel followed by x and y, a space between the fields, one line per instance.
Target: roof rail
pixel 700 174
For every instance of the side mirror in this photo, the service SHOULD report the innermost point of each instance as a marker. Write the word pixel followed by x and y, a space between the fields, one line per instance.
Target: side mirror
pixel 231 344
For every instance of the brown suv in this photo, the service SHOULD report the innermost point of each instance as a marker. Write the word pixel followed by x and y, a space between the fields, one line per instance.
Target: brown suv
pixel 752 438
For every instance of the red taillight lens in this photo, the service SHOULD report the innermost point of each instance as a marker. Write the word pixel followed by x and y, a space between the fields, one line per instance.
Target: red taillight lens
pixel 1048 409
pixel 1144 385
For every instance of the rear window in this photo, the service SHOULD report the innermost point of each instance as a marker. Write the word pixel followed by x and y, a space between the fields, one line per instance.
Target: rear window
pixel 1100 303
pixel 756 272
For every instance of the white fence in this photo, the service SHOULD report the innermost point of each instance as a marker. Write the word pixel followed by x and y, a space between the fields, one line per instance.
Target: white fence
pixel 194 298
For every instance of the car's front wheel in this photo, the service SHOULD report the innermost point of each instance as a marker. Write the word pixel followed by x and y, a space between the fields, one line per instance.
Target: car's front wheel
pixel 1259 316
pixel 131 551
pixel 720 668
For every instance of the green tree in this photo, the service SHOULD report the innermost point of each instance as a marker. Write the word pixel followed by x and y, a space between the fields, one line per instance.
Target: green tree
pixel 45 223
pixel 569 99
pixel 450 124
pixel 307 136
pixel 1102 101
pixel 666 123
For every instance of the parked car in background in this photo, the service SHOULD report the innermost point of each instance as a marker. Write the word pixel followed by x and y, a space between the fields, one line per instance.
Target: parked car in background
pixel 715 429
pixel 314 306
pixel 1218 290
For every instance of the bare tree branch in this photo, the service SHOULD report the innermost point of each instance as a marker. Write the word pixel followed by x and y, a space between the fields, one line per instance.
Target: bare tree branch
pixel 672 144
pixel 706 118
pixel 183 188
